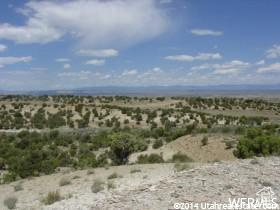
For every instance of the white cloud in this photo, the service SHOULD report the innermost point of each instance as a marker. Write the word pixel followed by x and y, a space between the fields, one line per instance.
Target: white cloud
pixel 261 62
pixel 189 58
pixel 2 47
pixel 129 72
pixel 232 67
pixel 12 60
pixel 94 23
pixel 206 32
pixel 67 66
pixel 273 52
pixel 156 69
pixel 208 56
pixel 67 74
pixel 97 62
pixel 81 74
pixel 150 74
pixel 107 76
pixel 275 67
pixel 180 57
pixel 103 53
pixel 62 60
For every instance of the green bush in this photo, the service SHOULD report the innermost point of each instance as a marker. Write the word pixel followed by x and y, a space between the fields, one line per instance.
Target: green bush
pixel 204 141
pixel 123 144
pixel 2 163
pixel 263 145
pixel 157 144
pixel 152 158
pixel 179 157
pixel 9 177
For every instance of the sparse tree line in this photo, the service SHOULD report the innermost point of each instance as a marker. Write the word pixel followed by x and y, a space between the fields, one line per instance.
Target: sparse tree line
pixel 80 114
pixel 222 103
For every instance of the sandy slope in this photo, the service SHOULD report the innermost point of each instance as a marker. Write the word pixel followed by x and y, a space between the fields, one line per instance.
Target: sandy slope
pixel 190 145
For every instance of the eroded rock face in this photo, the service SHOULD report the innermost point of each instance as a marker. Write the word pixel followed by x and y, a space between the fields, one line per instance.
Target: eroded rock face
pixel 210 183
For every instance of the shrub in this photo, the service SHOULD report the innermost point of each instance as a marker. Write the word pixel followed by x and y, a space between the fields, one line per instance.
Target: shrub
pixel 10 202
pixel 266 183
pixel 89 172
pixel 76 177
pixel 181 167
pixel 97 186
pixel 126 121
pixel 52 197
pixel 229 144
pixel 9 177
pixel 204 141
pixel 263 145
pixel 113 176
pixel 111 185
pixel 123 144
pixel 254 162
pixel 157 144
pixel 179 157
pixel 152 158
pixel 18 187
pixel 2 163
pixel 135 171
pixel 64 181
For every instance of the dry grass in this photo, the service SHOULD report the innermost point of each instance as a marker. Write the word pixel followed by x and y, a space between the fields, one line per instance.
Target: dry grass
pixel 52 197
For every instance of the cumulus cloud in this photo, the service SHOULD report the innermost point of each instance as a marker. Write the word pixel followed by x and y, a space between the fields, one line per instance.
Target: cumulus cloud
pixel 189 58
pixel 232 67
pixel 94 23
pixel 97 62
pixel 67 66
pixel 13 60
pixel 273 68
pixel 206 32
pixel 129 72
pixel 62 60
pixel 2 47
pixel 273 52
pixel 102 53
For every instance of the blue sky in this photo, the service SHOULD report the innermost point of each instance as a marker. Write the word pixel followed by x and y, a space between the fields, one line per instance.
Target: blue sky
pixel 68 44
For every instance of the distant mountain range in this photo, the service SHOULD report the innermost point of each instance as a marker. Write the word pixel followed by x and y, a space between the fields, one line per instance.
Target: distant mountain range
pixel 218 90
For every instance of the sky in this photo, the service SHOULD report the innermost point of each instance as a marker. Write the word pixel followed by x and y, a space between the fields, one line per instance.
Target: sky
pixel 66 44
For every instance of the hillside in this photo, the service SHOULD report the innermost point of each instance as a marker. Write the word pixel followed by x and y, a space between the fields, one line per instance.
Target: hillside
pixel 156 186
